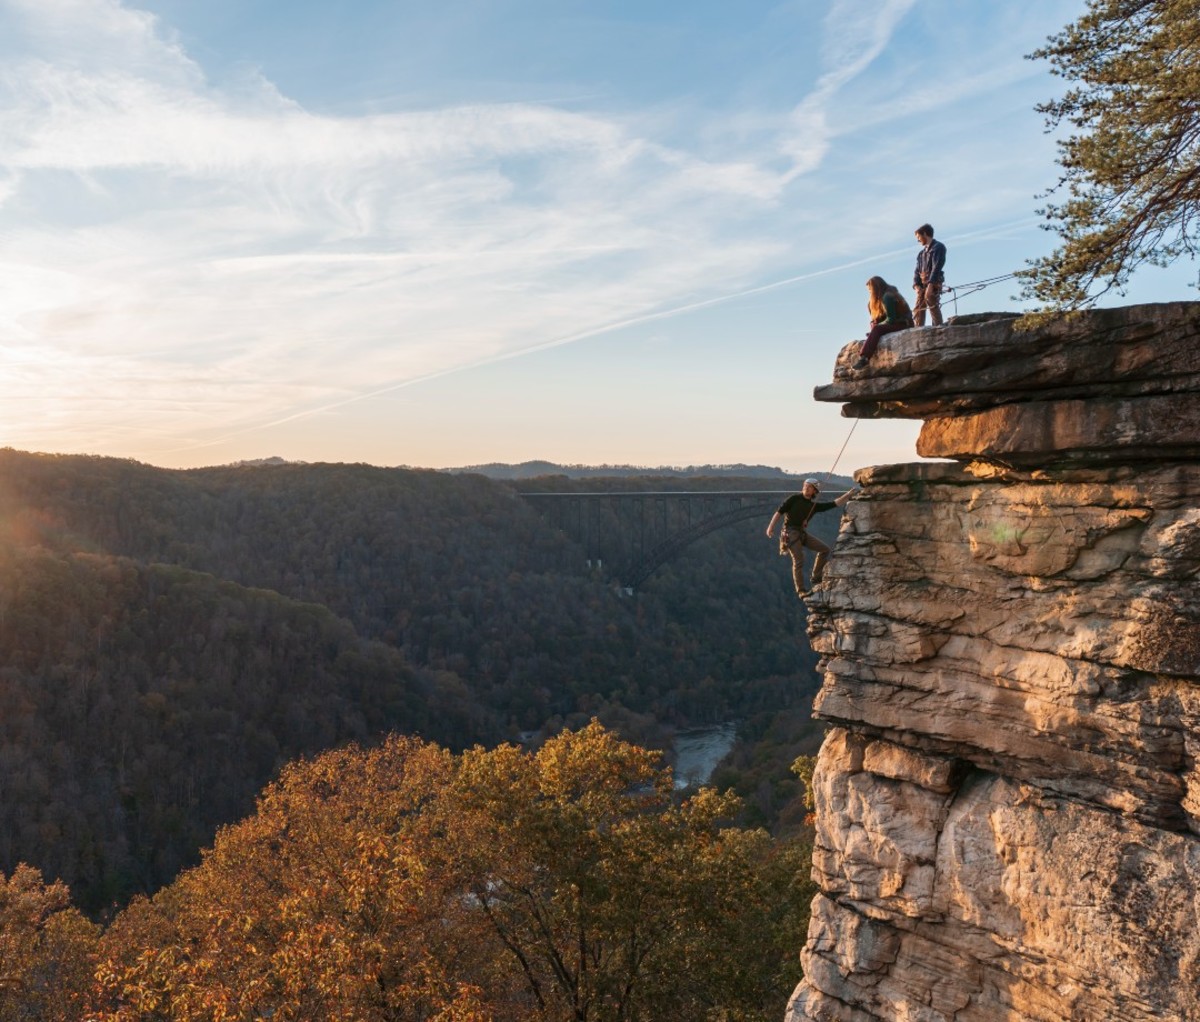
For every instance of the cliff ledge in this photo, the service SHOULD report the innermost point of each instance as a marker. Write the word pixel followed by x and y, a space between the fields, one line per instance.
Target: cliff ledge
pixel 1008 802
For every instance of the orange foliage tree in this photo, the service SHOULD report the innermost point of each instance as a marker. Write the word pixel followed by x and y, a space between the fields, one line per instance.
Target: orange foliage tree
pixel 46 950
pixel 405 883
pixel 317 907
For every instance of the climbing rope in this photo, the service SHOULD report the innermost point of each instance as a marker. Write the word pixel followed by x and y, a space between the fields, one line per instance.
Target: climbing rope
pixel 963 290
pixel 843 450
pixel 828 475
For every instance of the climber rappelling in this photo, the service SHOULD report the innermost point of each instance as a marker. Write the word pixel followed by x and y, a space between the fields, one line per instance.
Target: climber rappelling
pixel 796 512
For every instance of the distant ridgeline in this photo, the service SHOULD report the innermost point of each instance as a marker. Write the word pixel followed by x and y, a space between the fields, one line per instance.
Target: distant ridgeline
pixel 168 639
pixel 536 469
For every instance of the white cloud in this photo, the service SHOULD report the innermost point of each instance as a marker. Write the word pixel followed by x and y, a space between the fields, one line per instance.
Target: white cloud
pixel 856 32
pixel 97 36
pixel 200 255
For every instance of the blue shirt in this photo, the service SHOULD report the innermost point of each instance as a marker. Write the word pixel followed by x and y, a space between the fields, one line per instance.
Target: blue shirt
pixel 930 261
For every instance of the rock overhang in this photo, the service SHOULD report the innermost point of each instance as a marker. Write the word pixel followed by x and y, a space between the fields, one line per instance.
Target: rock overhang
pixel 1106 386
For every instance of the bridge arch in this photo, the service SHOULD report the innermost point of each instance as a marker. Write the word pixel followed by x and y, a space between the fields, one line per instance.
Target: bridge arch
pixel 654 526
pixel 639 573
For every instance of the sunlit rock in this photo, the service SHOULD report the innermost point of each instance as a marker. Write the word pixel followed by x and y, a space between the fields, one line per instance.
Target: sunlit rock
pixel 1008 805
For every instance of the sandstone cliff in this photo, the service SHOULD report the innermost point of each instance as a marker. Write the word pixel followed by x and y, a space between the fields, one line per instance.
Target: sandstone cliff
pixel 1008 802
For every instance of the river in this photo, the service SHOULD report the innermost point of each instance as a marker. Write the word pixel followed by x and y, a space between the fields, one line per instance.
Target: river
pixel 698 751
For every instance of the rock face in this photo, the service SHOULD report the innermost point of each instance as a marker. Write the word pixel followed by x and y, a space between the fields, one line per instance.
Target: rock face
pixel 1008 803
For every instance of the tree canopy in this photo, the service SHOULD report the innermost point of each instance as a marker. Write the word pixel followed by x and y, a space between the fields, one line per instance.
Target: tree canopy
pixel 405 883
pixel 1130 187
pixel 47 950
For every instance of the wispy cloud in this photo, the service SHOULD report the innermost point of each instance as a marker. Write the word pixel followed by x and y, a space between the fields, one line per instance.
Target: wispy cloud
pixel 856 32
pixel 184 260
pixel 226 256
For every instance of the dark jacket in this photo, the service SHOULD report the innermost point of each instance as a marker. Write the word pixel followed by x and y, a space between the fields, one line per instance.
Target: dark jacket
pixel 930 261
pixel 895 309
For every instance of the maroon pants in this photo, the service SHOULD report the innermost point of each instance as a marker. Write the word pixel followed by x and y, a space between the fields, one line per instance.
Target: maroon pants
pixel 877 331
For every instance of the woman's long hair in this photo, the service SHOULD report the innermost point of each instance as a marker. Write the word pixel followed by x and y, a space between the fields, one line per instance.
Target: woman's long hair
pixel 877 286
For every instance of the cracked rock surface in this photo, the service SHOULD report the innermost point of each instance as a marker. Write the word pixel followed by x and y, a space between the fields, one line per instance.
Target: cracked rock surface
pixel 1008 800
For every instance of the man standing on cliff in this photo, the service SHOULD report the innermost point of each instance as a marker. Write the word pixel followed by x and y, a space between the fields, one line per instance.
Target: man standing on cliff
pixel 928 277
pixel 794 539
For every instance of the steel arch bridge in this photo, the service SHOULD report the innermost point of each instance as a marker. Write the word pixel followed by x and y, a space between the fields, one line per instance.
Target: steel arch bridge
pixel 657 525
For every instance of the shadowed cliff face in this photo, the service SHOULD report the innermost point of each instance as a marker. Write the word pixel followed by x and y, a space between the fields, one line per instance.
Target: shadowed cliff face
pixel 1008 803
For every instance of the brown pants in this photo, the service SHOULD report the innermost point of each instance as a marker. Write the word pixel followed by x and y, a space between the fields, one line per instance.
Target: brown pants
pixel 928 297
pixel 795 544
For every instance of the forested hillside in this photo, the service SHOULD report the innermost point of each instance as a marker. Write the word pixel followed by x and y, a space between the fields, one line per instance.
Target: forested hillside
pixel 536 469
pixel 169 639
pixel 142 705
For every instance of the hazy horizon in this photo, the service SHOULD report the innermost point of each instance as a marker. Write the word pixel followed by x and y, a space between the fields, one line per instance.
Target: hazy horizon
pixel 591 468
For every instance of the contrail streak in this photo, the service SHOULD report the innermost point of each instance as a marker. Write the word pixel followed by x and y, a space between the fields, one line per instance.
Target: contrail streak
pixel 557 342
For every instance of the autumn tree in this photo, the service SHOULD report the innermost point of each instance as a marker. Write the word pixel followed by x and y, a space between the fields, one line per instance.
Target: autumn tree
pixel 1130 184
pixel 47 950
pixel 317 907
pixel 615 900
pixel 405 883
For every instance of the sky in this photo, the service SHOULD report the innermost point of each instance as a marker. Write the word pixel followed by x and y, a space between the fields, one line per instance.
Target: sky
pixel 449 234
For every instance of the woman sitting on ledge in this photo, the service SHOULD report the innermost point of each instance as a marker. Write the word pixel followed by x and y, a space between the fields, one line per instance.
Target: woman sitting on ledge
pixel 889 312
